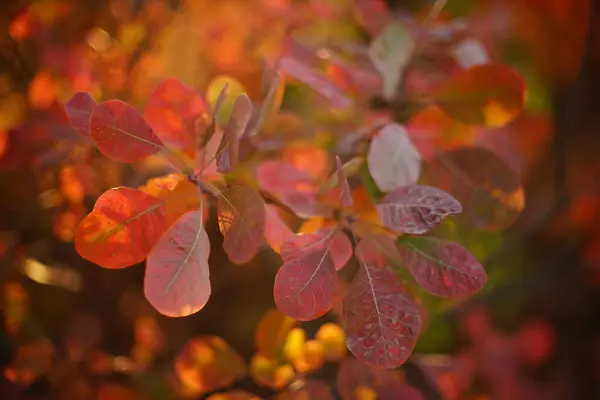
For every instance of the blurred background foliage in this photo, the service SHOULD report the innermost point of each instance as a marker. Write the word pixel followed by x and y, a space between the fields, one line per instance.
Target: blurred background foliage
pixel 540 306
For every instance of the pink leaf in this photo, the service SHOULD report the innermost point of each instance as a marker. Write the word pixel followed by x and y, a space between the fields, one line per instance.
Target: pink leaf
pixel 170 107
pixel 442 267
pixel 304 286
pixel 120 132
pixel 345 194
pixel 382 320
pixel 276 231
pixel 241 216
pixel 316 80
pixel 393 160
pixel 79 110
pixel 228 152
pixel 177 276
pixel 416 209
pixel 294 188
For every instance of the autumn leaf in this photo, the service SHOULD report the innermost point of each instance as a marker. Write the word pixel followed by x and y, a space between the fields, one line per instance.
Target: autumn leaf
pixel 335 241
pixel 120 132
pixel 228 151
pixel 442 267
pixel 304 286
pixel 121 229
pixel 416 209
pixel 177 280
pixel 271 333
pixel 170 109
pixel 276 230
pixel 381 319
pixel 270 105
pixel 392 159
pixel 489 95
pixel 391 51
pixel 208 363
pixel 241 217
pixel 333 339
pixel 270 373
pixel 79 111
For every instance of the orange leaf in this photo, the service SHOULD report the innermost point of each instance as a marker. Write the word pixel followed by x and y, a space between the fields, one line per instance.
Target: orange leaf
pixel 333 339
pixel 272 332
pixel 269 373
pixel 208 363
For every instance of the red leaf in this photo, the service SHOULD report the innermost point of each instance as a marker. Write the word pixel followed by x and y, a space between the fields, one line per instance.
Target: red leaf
pixel 304 286
pixel 276 231
pixel 121 229
pixel 316 80
pixel 79 110
pixel 393 160
pixel 416 209
pixel 294 188
pixel 345 194
pixel 177 280
pixel 241 216
pixel 382 320
pixel 121 133
pixel 338 246
pixel 170 108
pixel 228 151
pixel 442 267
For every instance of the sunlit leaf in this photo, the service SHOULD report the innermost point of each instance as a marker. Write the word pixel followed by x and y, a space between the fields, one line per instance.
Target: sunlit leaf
pixel 271 103
pixel 208 363
pixel 484 183
pixel 393 160
pixel 272 332
pixel 416 209
pixel 120 132
pixel 336 243
pixel 32 361
pixel 228 151
pixel 233 395
pixel 381 319
pixel 310 358
pixel 178 194
pixel 121 229
pixel 170 109
pixel 390 52
pixel 294 188
pixel 319 82
pixel 269 373
pixel 489 94
pixel 441 267
pixel 177 280
pixel 304 286
pixel 79 110
pixel 241 217
pixel 307 390
pixel 276 230
pixel 333 340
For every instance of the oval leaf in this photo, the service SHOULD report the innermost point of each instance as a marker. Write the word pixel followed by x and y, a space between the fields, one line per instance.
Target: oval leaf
pixel 442 267
pixel 120 132
pixel 390 53
pixel 241 216
pixel 170 109
pixel 393 160
pixel 489 94
pixel 177 280
pixel 304 286
pixel 121 229
pixel 335 243
pixel 381 319
pixel 79 110
pixel 416 209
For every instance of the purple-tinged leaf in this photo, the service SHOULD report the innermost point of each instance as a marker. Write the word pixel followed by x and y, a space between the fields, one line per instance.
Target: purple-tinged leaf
pixel 304 286
pixel 416 209
pixel 241 217
pixel 177 280
pixel 336 243
pixel 276 231
pixel 120 132
pixel 381 318
pixel 228 151
pixel 393 160
pixel 316 80
pixel 79 111
pixel 442 267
